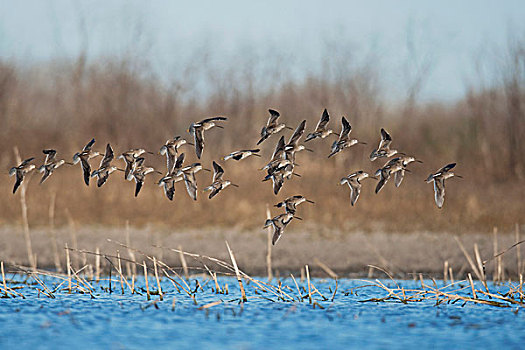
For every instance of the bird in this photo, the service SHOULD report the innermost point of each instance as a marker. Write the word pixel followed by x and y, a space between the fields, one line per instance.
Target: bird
pixel 344 140
pixel 197 130
pixel 396 166
pixel 354 182
pixel 105 168
pixel 172 176
pixel 130 157
pixel 139 172
pixel 218 183
pixel 321 129
pixel 272 126
pixel 20 171
pixel 50 164
pixel 279 223
pixel 188 174
pixel 279 167
pixel 439 178
pixel 242 154
pixel 83 157
pixel 290 204
pixel 383 150
pixel 170 149
pixel 293 144
pixel 400 174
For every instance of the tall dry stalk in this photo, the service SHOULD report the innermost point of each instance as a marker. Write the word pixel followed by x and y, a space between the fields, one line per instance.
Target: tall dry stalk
pixel 518 250
pixel 183 262
pixel 25 221
pixel 239 279
pixel 52 232
pixel 269 246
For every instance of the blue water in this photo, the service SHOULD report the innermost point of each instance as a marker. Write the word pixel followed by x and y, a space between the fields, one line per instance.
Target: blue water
pixel 116 321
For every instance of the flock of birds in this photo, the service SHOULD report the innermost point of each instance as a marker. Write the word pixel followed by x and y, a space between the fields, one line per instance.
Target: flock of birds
pixel 280 167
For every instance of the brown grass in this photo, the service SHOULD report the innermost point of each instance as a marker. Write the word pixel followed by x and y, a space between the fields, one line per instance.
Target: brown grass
pixel 64 104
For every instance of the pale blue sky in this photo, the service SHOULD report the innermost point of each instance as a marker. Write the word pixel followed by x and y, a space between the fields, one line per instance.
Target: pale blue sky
pixel 449 34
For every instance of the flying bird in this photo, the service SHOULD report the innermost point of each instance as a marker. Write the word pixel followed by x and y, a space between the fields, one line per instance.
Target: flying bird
pixel 293 144
pixel 171 149
pixel 279 223
pixel 83 157
pixel 272 126
pixel 218 183
pixel 20 171
pixel 344 140
pixel 130 157
pixel 354 182
pixel 242 154
pixel 105 168
pixel 439 178
pixel 139 172
pixel 383 150
pixel 172 176
pixel 197 130
pixel 290 204
pixel 321 130
pixel 50 164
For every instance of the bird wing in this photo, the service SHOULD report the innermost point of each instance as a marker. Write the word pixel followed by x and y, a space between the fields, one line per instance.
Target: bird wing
pixel 325 118
pixel 218 171
pixel 447 168
pixel 178 163
pixel 86 168
pixel 277 180
pixel 207 120
pixel 89 145
pixel 191 185
pixel 169 189
pixel 50 155
pixel 439 191
pixel 216 189
pixel 355 191
pixel 386 140
pixel 199 141
pixel 26 162
pixel 47 173
pixel 297 133
pixel 346 129
pixel 274 115
pixel 108 157
pixel 102 178
pixel 140 182
pixel 279 149
pixel 277 231
pixel 398 177
pixel 19 179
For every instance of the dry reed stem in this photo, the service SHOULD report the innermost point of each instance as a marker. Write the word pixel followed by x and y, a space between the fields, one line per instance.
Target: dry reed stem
pixel 234 262
pixel 212 304
pixel 120 272
pixel 146 279
pixel 472 285
pixel 97 264
pixel 183 262
pixel 445 272
pixel 326 269
pixel 481 267
pixel 518 249
pixel 52 232
pixel 68 267
pixel 130 252
pixel 157 278
pixel 25 221
pixel 269 246
pixel 3 279
pixel 299 295
pixel 451 274
pixel 469 259
pixel 309 286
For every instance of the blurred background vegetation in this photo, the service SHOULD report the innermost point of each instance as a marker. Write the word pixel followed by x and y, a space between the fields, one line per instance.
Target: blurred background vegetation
pixel 63 102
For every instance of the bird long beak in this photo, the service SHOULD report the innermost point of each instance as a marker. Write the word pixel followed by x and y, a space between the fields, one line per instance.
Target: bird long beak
pixel 158 172
pixel 362 143
pixel 296 174
pixel 191 144
pixel 234 185
pixel 121 170
pixel 208 170
pixel 298 218
pixel 309 201
pixel 309 150
pixel 458 176
pixel 68 163
pixel 287 127
pixel 257 155
pixel 419 161
pixel 219 126
pixel 148 152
